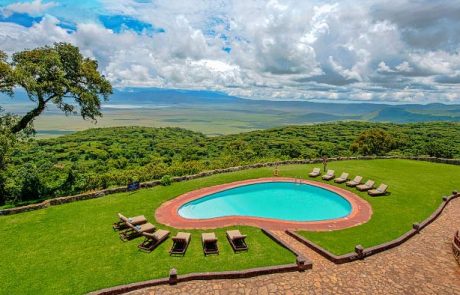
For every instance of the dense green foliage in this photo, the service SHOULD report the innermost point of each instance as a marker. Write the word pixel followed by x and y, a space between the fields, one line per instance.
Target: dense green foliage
pixel 100 158
pixel 7 140
pixel 374 141
pixel 71 249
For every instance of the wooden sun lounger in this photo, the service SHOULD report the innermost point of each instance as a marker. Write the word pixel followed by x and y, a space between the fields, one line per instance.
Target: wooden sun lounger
pixel 123 223
pixel 152 240
pixel 209 242
pixel 315 173
pixel 356 181
pixel 329 175
pixel 135 231
pixel 380 191
pixel 367 186
pixel 237 240
pixel 180 243
pixel 342 178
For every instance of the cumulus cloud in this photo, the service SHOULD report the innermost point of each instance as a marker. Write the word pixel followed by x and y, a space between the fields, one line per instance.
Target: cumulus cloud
pixel 34 8
pixel 278 49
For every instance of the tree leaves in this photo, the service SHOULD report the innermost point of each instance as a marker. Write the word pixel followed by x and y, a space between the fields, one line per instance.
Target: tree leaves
pixel 56 74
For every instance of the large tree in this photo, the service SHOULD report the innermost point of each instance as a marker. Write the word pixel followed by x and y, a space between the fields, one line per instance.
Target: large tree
pixel 374 141
pixel 58 75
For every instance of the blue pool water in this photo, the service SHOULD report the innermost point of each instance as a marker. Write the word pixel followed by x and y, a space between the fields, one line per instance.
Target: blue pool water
pixel 276 200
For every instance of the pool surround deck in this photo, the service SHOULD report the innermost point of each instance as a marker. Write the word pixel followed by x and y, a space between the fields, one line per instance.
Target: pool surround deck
pixel 167 213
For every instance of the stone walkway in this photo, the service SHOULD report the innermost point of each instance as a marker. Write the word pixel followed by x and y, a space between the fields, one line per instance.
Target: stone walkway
pixel 423 265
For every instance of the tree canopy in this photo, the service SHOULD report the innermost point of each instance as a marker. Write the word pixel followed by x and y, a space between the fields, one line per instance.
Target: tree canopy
pixel 100 158
pixel 375 141
pixel 57 74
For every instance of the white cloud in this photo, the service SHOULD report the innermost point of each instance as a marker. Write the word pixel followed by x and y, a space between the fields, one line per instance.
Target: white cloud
pixel 34 8
pixel 348 74
pixel 281 49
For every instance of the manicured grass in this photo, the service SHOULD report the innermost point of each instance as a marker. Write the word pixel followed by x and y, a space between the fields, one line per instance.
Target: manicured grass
pixel 416 191
pixel 71 249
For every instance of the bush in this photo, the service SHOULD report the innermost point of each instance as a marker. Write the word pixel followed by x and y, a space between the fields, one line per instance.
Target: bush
pixel 374 141
pixel 439 149
pixel 166 180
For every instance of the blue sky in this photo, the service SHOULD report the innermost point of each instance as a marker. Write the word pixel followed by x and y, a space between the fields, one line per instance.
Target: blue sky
pixel 405 51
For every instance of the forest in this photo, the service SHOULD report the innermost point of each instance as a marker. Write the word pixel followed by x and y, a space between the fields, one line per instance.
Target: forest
pixel 106 157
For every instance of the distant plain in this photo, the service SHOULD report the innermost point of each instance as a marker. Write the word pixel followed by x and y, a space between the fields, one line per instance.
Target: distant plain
pixel 217 114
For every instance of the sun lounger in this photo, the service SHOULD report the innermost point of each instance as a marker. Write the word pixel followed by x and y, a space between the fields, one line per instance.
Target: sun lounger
pixel 209 242
pixel 237 240
pixel 367 186
pixel 135 231
pixel 180 243
pixel 152 240
pixel 123 223
pixel 329 175
pixel 356 181
pixel 315 173
pixel 342 178
pixel 381 190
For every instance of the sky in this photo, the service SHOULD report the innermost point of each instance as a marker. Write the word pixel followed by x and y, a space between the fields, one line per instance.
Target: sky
pixel 405 51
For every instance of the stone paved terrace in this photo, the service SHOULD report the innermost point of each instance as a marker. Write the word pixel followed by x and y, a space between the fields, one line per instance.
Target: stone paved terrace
pixel 423 265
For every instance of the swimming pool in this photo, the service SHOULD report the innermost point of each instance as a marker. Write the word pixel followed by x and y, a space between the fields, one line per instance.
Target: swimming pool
pixel 288 201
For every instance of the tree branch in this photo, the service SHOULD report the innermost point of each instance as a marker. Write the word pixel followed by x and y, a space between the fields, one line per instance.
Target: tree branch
pixel 29 117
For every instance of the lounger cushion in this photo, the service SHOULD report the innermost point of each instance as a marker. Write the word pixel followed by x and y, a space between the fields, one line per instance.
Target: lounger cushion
pixel 146 227
pixel 208 237
pixel 138 219
pixel 158 235
pixel 181 236
pixel 235 234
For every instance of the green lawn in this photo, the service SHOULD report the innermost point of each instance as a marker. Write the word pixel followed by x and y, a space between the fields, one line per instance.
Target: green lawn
pixel 71 249
pixel 416 191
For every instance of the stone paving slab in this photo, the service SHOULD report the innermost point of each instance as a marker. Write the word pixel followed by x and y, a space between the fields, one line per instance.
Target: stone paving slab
pixel 423 265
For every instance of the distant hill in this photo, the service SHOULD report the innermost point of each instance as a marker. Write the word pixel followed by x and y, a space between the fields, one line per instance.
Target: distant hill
pixel 400 115
pixel 215 113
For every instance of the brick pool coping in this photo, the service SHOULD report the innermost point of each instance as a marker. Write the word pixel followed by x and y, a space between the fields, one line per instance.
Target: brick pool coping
pixel 167 213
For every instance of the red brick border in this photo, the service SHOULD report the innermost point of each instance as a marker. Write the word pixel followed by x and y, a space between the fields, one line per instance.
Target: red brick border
pixel 167 213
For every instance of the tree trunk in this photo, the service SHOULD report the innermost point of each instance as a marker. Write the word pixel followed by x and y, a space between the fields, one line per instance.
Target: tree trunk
pixel 30 116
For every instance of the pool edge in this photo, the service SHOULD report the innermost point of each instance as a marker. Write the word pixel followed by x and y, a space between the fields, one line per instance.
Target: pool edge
pixel 167 212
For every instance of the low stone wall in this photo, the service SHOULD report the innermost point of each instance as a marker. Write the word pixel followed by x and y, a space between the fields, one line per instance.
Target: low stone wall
pixel 361 253
pixel 101 193
pixel 301 264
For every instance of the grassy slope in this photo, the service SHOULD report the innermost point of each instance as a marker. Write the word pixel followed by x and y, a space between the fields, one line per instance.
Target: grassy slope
pixel 71 248
pixel 416 191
